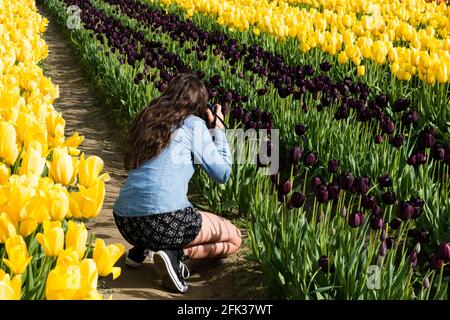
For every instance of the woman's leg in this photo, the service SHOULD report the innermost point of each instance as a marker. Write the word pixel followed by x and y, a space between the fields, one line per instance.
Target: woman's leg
pixel 218 237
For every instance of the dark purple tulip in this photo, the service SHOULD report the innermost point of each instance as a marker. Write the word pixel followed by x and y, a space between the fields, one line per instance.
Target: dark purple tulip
pixel 417 202
pixel 447 159
pixel 368 201
pixel 228 97
pixel 421 157
pixel 333 191
pixel 410 117
pixel 405 211
pixel 261 91
pixel 310 159
pixel 305 108
pixel 395 223
pixel 383 249
pixel 376 211
pixel 381 101
pixel 322 194
pixel 315 183
pixel 345 180
pixel 444 251
pixel 376 223
pixel 428 140
pixel 413 259
pixel 300 129
pixel 438 153
pixel 384 181
pixel 333 166
pixel 323 263
pixel 378 139
pixel 435 262
pixel 412 160
pixel 286 187
pixel 295 154
pixel 383 234
pixel 362 184
pixel 391 242
pixel 325 66
pixel 297 199
pixel 397 141
pixel 388 197
pixel 421 236
pixel 387 126
pixel 356 219
pixel 400 105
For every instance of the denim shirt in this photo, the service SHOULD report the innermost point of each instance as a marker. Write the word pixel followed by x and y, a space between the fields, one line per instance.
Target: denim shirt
pixel 160 185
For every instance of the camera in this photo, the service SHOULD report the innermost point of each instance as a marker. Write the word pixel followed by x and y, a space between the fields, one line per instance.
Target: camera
pixel 212 108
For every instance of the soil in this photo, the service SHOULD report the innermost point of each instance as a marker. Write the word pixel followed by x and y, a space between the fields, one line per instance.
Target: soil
pixel 232 278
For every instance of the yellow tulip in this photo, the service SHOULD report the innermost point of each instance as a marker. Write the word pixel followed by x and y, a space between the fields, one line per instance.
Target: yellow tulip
pixel 52 240
pixel 87 203
pixel 5 173
pixel 76 237
pixel 63 167
pixel 32 162
pixel 342 57
pixel 89 279
pixel 7 228
pixel 18 258
pixel 89 170
pixel 55 128
pixel 361 70
pixel 68 256
pixel 27 227
pixel 10 289
pixel 74 141
pixel 106 256
pixel 63 282
pixel 58 202
pixel 19 191
pixel 8 146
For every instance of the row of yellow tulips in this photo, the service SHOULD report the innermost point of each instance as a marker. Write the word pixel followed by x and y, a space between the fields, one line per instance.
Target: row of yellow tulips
pixel 44 180
pixel 411 35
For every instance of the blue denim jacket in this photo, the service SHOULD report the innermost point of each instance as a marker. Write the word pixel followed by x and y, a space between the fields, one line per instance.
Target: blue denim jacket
pixel 161 184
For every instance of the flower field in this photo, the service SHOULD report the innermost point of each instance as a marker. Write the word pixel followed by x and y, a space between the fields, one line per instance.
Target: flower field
pixel 359 91
pixel 47 187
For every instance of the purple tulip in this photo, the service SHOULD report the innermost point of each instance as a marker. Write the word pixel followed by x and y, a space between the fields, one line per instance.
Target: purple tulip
pixel 310 159
pixel 391 242
pixel 333 191
pixel 333 166
pixel 435 262
pixel 438 153
pixel 376 211
pixel 286 187
pixel 378 139
pixel 412 160
pixel 295 155
pixel 400 105
pixel 397 141
pixel 395 223
pixel 322 194
pixel 405 211
pixel 325 66
pixel 413 259
pixel 428 140
pixel 356 219
pixel 421 236
pixel 297 199
pixel 381 101
pixel 324 264
pixel 444 251
pixel 383 234
pixel 383 249
pixel 362 184
pixel 376 223
pixel 387 126
pixel 421 157
pixel 384 181
pixel 388 197
pixel 300 129
pixel 368 201
pixel 345 180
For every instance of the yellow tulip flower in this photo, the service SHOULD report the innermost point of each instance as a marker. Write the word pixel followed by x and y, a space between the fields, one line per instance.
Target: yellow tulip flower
pixel 5 173
pixel 89 170
pixel 63 282
pixel 27 227
pixel 58 202
pixel 74 141
pixel 76 237
pixel 55 128
pixel 361 70
pixel 17 252
pixel 63 167
pixel 19 191
pixel 8 146
pixel 32 162
pixel 342 57
pixel 10 289
pixel 7 228
pixel 106 256
pixel 52 240
pixel 89 279
pixel 68 256
pixel 87 203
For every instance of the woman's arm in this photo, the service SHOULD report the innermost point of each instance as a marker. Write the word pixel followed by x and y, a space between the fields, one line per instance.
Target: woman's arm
pixel 213 156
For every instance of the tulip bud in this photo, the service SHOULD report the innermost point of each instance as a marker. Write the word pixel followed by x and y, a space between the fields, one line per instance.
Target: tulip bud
pixel 333 166
pixel 315 183
pixel 362 184
pixel 438 153
pixel 333 191
pixel 356 219
pixel 8 147
pixel 391 242
pixel 444 251
pixel 376 211
pixel 405 211
pixel 295 154
pixel 395 223
pixel 428 140
pixel 413 259
pixel 385 181
pixel 397 141
pixel 388 197
pixel 322 194
pixel 345 180
pixel 368 201
pixel 387 126
pixel 383 249
pixel 383 234
pixel 426 283
pixel 297 199
pixel 286 187
pixel 325 66
pixel 378 139
pixel 324 264
pixel 435 262
pixel 300 129
pixel 376 223
pixel 310 159
pixel 412 160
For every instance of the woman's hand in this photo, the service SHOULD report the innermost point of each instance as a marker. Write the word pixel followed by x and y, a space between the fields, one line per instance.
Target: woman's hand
pixel 218 114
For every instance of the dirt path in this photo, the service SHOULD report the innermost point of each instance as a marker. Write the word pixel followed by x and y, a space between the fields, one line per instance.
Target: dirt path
pixel 232 278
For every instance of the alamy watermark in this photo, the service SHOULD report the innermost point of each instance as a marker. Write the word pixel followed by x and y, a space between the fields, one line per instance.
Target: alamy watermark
pixel 373 277
pixel 74 17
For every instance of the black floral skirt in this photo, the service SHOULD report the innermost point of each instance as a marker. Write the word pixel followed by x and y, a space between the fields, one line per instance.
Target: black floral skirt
pixel 173 230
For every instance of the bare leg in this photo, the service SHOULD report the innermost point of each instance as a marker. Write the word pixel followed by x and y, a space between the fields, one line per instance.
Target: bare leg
pixel 217 238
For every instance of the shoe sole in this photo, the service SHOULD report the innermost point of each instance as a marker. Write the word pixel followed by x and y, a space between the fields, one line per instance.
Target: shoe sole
pixel 166 271
pixel 133 264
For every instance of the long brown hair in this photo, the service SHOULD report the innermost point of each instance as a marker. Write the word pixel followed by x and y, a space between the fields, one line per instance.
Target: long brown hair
pixel 152 128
